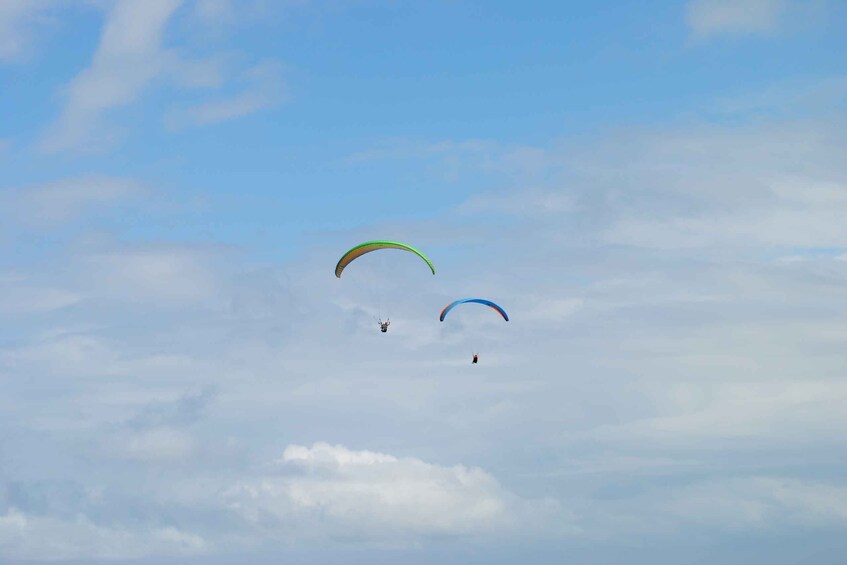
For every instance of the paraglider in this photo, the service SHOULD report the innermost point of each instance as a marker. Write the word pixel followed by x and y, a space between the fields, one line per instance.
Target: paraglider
pixel 369 246
pixel 376 245
pixel 484 302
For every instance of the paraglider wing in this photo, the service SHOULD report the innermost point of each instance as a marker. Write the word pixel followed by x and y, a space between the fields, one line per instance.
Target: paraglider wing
pixel 476 300
pixel 369 246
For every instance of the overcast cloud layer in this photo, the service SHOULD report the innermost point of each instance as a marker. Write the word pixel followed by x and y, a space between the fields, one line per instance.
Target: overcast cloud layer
pixel 185 381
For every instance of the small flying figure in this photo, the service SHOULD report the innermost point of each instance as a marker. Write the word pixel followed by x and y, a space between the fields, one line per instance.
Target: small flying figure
pixel 383 326
pixel 475 359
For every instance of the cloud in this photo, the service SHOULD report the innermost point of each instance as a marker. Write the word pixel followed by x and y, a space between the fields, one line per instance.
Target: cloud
pixel 11 15
pixel 128 58
pixel 186 409
pixel 322 493
pixel 665 372
pixel 158 445
pixel 215 11
pixel 159 432
pixel 374 496
pixel 527 202
pixel 810 227
pixel 18 295
pixel 715 17
pixel 456 158
pixel 132 59
pixel 768 413
pixel 826 95
pixel 17 19
pixel 716 506
pixel 56 203
pixel 710 18
pixel 708 188
pixel 163 273
pixel 226 13
pixel 759 502
pixel 263 88
pixel 549 309
pixel 28 537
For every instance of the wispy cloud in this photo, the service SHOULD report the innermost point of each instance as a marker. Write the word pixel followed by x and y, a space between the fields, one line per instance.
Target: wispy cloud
pixel 215 11
pixel 455 159
pixel 129 57
pixel 716 17
pixel 757 502
pixel 83 538
pixel 17 20
pixel 710 18
pixel 19 295
pixel 218 14
pixel 527 202
pixel 826 95
pixel 785 182
pixel 167 273
pixel 53 204
pixel 262 88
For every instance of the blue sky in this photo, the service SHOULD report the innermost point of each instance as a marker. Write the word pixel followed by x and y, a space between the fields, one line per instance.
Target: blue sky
pixel 655 191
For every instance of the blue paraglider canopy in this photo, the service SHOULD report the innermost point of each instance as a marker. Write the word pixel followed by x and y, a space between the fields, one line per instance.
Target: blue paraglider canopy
pixel 476 300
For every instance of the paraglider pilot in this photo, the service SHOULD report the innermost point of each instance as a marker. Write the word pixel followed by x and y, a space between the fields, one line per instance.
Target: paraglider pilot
pixel 383 326
pixel 475 358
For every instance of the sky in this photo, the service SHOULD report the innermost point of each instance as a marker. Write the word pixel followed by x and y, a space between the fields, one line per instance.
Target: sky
pixel 655 192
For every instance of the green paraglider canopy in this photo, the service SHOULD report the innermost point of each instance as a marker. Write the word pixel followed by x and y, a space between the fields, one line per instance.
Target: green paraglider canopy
pixel 369 246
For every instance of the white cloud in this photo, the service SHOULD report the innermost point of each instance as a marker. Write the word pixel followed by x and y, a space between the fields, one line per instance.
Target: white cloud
pixel 469 157
pixel 226 13
pixel 170 273
pixel 17 19
pixel 20 296
pixel 215 11
pixel 718 188
pixel 263 88
pixel 55 203
pixel 788 98
pixel 158 445
pixel 714 17
pixel 208 73
pixel 128 58
pixel 807 226
pixel 29 537
pixel 74 355
pixel 324 493
pixel 549 309
pixel 709 18
pixel 374 496
pixel 715 505
pixel 630 362
pixel 758 502
pixel 11 14
pixel 528 202
pixel 769 413
pixel 131 59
